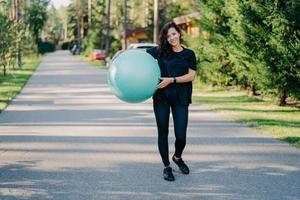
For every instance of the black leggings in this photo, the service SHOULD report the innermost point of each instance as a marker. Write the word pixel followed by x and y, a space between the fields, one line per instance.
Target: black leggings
pixel 180 119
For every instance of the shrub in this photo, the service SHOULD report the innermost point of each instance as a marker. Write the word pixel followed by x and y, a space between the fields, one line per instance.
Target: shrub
pixel 46 47
pixel 66 46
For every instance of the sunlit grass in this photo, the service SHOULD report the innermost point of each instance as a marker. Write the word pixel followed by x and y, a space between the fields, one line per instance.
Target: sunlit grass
pixel 264 114
pixel 13 82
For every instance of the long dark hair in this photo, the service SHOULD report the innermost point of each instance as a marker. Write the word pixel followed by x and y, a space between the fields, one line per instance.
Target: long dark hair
pixel 164 48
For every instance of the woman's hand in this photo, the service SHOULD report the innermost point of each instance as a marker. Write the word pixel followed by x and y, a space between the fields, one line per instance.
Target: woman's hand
pixel 189 77
pixel 165 82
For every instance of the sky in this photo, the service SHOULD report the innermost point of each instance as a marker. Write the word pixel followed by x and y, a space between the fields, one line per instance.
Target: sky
pixel 58 3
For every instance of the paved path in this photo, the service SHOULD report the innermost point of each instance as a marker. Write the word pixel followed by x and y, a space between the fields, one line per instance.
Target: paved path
pixel 66 137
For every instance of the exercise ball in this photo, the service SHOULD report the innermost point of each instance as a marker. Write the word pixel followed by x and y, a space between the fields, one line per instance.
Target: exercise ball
pixel 133 76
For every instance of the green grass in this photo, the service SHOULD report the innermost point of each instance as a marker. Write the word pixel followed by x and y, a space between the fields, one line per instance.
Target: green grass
pixel 98 63
pixel 13 82
pixel 264 114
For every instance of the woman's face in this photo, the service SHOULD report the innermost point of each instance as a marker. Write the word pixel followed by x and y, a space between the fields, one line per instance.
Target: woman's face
pixel 173 37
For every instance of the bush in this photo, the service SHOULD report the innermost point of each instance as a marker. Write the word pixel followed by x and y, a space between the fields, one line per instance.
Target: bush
pixel 46 47
pixel 66 46
pixel 91 42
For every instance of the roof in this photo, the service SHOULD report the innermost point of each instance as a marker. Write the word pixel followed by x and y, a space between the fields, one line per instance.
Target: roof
pixel 186 18
pixel 136 30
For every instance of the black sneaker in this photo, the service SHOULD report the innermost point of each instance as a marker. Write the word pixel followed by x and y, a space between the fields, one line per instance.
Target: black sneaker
pixel 168 174
pixel 182 166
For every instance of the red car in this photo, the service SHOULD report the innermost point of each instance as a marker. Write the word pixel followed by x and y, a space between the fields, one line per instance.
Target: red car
pixel 98 55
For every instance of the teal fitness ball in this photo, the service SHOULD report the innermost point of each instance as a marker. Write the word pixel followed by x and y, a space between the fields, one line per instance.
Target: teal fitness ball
pixel 133 76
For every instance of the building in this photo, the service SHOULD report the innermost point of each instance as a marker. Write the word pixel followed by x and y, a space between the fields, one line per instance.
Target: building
pixel 187 24
pixel 137 35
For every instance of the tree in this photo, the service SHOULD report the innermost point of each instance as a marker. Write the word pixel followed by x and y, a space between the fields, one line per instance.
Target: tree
pixel 96 33
pixel 254 44
pixel 6 41
pixel 37 17
pixel 78 19
pixel 215 66
pixel 107 39
pixel 54 24
pixel 280 45
pixel 248 67
pixel 12 34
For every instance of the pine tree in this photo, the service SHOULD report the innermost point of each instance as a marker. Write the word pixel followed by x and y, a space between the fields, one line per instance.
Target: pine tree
pixel 253 43
pixel 215 64
pixel 276 38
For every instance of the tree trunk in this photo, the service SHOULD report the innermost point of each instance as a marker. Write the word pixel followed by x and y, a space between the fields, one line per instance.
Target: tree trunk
pixel 82 25
pixel 18 16
pixel 89 13
pixel 254 91
pixel 79 16
pixel 13 9
pixel 156 21
pixel 4 69
pixel 107 41
pixel 78 28
pixel 125 24
pixel 283 99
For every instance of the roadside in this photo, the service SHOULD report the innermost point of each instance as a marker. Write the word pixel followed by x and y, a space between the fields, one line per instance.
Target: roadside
pixel 14 81
pixel 282 123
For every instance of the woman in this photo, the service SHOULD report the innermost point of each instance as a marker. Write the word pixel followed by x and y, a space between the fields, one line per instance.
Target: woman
pixel 178 70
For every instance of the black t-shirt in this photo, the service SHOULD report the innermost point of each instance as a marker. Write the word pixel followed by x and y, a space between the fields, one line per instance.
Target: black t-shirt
pixel 177 64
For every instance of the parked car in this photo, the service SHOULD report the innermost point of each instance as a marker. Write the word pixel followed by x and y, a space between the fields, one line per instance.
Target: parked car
pixel 97 54
pixel 142 45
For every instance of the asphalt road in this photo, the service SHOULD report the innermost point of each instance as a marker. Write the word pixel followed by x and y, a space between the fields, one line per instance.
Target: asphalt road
pixel 66 137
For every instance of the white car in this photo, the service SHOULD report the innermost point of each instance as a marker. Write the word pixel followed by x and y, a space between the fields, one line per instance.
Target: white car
pixel 142 45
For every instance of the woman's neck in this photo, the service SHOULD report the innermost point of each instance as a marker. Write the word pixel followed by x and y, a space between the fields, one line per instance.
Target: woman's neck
pixel 177 48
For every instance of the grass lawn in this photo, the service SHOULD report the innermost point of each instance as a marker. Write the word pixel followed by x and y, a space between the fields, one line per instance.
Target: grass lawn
pixel 280 122
pixel 13 82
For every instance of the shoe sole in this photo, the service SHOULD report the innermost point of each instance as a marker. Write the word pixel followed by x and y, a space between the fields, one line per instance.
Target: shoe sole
pixel 169 179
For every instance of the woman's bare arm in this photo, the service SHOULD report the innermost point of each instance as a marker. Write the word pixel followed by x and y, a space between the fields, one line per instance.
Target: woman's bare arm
pixel 190 76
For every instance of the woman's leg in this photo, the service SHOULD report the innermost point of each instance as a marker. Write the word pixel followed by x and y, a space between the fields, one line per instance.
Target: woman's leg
pixel 162 115
pixel 180 117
